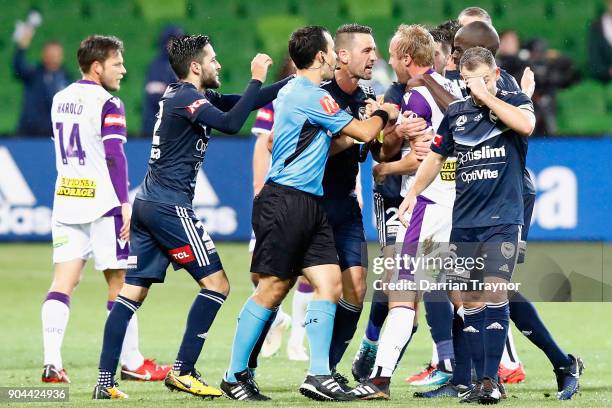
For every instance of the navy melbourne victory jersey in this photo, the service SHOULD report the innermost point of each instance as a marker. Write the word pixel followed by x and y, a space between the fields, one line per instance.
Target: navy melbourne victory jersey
pixel 179 143
pixel 342 168
pixel 506 82
pixel 490 162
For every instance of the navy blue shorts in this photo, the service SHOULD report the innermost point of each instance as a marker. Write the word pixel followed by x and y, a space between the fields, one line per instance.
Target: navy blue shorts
pixel 485 252
pixel 528 203
pixel 344 216
pixel 386 211
pixel 161 234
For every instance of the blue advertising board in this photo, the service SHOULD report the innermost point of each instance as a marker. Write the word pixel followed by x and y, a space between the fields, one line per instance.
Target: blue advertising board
pixel 573 203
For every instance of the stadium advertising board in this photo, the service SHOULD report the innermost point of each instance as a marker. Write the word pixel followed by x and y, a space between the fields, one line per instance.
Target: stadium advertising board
pixel 571 174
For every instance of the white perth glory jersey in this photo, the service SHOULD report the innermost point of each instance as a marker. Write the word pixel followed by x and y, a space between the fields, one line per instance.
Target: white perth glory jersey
pixel 420 101
pixel 84 115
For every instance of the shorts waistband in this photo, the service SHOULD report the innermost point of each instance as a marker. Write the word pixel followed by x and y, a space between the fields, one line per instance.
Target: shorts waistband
pixel 292 190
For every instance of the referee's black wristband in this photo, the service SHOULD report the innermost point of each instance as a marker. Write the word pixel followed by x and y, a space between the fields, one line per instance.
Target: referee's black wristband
pixel 383 115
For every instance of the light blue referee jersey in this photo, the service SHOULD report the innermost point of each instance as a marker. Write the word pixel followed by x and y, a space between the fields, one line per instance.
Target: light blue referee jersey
pixel 305 119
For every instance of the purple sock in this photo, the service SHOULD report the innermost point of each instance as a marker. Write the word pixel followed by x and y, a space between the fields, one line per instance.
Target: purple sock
pixel 60 297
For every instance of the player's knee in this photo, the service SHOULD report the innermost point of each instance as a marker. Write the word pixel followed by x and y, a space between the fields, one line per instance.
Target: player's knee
pixel 330 291
pixel 217 282
pixel 355 294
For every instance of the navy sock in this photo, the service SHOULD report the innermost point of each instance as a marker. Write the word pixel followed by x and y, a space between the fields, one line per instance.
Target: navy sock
pixel 496 323
pixel 439 315
pixel 378 313
pixel 345 325
pixel 462 372
pixel 474 328
pixel 525 316
pixel 200 318
pixel 114 333
pixel 260 341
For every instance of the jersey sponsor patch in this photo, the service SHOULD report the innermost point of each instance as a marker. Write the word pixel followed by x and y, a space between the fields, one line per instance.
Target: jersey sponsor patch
pixel 437 140
pixel 265 114
pixel 75 187
pixel 196 105
pixel 448 171
pixel 330 106
pixel 114 120
pixel 182 255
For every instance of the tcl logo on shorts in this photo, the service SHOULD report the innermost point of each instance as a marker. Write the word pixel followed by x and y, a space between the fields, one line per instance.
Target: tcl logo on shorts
pixel 329 104
pixel 182 255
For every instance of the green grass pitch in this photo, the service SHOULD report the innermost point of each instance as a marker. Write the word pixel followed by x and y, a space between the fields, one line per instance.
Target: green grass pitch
pixel 25 272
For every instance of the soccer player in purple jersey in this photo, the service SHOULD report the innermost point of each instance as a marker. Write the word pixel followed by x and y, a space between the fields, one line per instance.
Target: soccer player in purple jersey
pixel 91 209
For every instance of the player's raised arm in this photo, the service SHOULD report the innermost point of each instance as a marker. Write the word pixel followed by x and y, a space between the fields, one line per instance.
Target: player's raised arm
pixel 232 120
pixel 194 61
pixel 442 97
pixel 480 72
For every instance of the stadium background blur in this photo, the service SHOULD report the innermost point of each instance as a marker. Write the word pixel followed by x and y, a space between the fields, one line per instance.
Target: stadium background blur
pixel 240 28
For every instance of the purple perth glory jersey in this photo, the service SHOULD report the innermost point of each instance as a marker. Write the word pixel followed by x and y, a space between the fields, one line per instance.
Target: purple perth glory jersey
pixel 264 120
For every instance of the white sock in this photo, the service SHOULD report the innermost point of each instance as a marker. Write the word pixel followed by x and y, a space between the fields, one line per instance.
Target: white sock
pixel 510 358
pixel 395 336
pixel 130 356
pixel 55 316
pixel 298 315
pixel 434 354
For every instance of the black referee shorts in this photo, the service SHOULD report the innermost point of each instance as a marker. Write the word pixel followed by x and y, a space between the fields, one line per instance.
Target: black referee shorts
pixel 291 231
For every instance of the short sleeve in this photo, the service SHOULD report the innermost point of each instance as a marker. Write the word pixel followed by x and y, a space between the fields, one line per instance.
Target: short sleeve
pixel 415 102
pixel 264 120
pixel 113 120
pixel 323 110
pixel 443 142
pixel 522 101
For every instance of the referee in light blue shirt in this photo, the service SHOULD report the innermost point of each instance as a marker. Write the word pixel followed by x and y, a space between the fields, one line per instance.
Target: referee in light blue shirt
pixel 293 236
